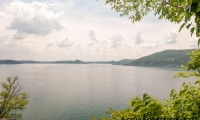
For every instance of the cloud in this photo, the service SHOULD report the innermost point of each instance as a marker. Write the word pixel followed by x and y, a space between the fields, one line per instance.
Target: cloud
pixel 151 45
pixel 194 44
pixel 50 44
pixel 9 43
pixel 92 35
pixel 3 38
pixel 171 37
pixel 56 5
pixel 33 18
pixel 104 42
pixel 138 38
pixel 117 40
pixel 65 43
pixel 2 15
pixel 19 36
pixel 90 44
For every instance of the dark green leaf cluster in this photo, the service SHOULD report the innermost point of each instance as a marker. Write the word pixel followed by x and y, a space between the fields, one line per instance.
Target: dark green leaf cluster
pixel 12 99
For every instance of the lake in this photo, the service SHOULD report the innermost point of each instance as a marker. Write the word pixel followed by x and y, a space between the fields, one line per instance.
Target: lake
pixel 80 92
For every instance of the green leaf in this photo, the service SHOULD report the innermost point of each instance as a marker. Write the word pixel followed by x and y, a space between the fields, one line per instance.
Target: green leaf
pixel 146 96
pixel 188 8
pixel 198 81
pixel 188 26
pixel 181 27
pixel 192 30
pixel 198 42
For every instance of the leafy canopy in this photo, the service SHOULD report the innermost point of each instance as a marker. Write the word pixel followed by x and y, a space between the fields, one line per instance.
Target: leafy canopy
pixel 174 10
pixel 12 99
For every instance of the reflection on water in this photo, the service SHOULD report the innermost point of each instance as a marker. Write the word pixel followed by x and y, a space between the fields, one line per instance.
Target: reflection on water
pixel 79 92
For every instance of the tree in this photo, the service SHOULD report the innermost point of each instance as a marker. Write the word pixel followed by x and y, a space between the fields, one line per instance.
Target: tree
pixel 174 10
pixel 12 99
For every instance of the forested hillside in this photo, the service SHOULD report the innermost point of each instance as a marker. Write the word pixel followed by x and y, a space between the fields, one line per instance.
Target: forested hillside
pixel 167 58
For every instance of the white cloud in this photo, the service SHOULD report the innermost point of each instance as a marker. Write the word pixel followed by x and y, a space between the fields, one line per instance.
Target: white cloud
pixel 39 25
pixel 92 35
pixel 56 5
pixel 138 38
pixel 153 45
pixel 104 42
pixel 33 18
pixel 90 44
pixel 171 37
pixel 37 49
pixel 65 43
pixel 194 44
pixel 2 15
pixel 50 44
pixel 19 36
pixel 117 40
pixel 71 3
pixel 9 43
pixel 150 45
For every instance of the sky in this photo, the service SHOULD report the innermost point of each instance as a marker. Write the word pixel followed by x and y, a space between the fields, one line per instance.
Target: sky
pixel 88 30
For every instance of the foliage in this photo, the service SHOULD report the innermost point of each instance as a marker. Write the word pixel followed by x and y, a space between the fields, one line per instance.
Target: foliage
pixel 193 64
pixel 12 99
pixel 174 10
pixel 167 58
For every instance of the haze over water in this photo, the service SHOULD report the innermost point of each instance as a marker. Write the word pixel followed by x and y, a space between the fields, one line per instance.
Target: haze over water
pixel 79 92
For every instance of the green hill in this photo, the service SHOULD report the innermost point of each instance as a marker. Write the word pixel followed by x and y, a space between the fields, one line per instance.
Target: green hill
pixel 167 58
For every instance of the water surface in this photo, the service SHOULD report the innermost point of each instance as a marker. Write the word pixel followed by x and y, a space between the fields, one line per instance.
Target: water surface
pixel 79 92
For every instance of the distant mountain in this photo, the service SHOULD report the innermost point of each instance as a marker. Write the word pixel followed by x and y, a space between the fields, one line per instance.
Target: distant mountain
pixel 167 58
pixel 69 62
pixel 125 61
pixel 121 62
pixel 9 62
pixel 29 61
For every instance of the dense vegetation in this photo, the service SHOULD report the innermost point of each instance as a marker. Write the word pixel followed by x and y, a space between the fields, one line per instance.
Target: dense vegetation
pixel 167 58
pixel 12 99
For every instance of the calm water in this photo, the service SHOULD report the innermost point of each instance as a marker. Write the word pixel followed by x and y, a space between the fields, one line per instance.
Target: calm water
pixel 79 92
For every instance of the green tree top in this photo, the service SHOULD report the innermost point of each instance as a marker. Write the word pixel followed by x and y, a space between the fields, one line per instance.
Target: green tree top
pixel 174 10
pixel 12 99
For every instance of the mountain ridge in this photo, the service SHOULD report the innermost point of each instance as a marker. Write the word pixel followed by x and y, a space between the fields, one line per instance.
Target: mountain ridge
pixel 166 58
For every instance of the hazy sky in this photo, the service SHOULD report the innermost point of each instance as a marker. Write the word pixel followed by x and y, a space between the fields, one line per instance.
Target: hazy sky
pixel 81 29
